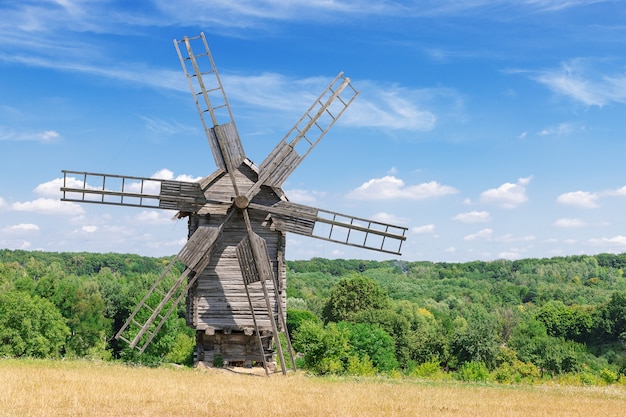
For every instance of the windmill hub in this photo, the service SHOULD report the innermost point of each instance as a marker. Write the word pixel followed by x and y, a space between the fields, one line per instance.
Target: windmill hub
pixel 242 202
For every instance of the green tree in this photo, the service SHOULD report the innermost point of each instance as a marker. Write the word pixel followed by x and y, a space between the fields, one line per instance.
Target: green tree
pixel 478 340
pixel 352 295
pixel 367 340
pixel 325 348
pixel 30 326
pixel 614 315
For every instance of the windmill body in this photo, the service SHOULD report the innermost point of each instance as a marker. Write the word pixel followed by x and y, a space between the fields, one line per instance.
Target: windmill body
pixel 218 306
pixel 235 274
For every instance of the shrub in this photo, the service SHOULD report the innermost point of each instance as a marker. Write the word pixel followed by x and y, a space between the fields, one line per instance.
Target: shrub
pixel 473 372
pixel 608 376
pixel 361 366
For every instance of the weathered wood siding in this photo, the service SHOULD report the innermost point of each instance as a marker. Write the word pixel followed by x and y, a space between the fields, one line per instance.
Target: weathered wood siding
pixel 218 300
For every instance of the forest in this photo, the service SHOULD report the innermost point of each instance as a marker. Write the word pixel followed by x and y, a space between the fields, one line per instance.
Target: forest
pixel 558 319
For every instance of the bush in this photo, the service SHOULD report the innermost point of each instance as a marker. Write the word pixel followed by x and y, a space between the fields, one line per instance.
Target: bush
pixel 608 376
pixel 430 370
pixel 473 372
pixel 361 366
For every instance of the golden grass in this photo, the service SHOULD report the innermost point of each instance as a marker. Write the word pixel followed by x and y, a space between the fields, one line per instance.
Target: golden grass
pixel 77 388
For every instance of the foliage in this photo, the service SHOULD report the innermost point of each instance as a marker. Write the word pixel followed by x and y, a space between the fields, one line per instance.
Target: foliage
pixel 30 326
pixel 296 317
pixel 354 294
pixel 510 321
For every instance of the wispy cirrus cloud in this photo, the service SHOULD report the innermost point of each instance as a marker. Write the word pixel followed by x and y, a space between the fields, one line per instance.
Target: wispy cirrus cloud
pixel 46 136
pixel 590 82
pixel 473 217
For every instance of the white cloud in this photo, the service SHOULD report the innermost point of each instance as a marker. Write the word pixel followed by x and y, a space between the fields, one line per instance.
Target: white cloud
pixel 21 228
pixel 390 107
pixel 583 81
pixel 166 174
pixel 161 126
pixel 559 130
pixel 46 136
pixel 53 188
pixel 89 229
pixel 304 196
pixel 510 238
pixel 422 230
pixel 3 203
pixel 390 187
pixel 619 241
pixel 480 235
pixel 48 206
pixel 582 199
pixel 619 192
pixel 508 195
pixel 509 255
pixel 473 217
pixel 154 217
pixel 569 223
pixel 387 218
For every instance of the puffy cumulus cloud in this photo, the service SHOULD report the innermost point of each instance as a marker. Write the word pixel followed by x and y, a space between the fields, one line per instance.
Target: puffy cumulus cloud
pixel 3 203
pixel 508 195
pixel 166 174
pixel 581 199
pixel 480 235
pixel 423 230
pixel 21 228
pixel 390 187
pixel 53 188
pixel 304 196
pixel 48 206
pixel 473 217
pixel 89 229
pixel 619 192
pixel 569 223
pixel 510 255
pixel 154 217
pixel 619 241
pixel 510 238
pixel 387 218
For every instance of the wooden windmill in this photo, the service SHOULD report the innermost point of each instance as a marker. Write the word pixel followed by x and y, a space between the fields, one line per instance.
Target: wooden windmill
pixel 235 273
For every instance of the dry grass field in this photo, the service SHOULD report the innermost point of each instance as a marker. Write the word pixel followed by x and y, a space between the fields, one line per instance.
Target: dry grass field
pixel 80 388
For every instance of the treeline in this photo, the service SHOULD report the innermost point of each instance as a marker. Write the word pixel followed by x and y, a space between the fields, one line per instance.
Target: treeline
pixel 509 321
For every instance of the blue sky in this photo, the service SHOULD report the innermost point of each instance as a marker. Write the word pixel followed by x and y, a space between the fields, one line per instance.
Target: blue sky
pixel 492 129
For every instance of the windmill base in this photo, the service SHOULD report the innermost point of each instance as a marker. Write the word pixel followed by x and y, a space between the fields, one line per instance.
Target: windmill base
pixel 233 348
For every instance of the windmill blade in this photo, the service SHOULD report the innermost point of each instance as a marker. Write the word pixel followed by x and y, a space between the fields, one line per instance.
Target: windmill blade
pixel 335 227
pixel 255 265
pixel 196 255
pixel 125 190
pixel 305 134
pixel 208 93
pixel 254 260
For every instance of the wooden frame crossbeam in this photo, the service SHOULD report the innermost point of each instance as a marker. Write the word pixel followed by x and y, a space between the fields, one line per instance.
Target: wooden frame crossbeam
pixel 336 227
pixel 126 190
